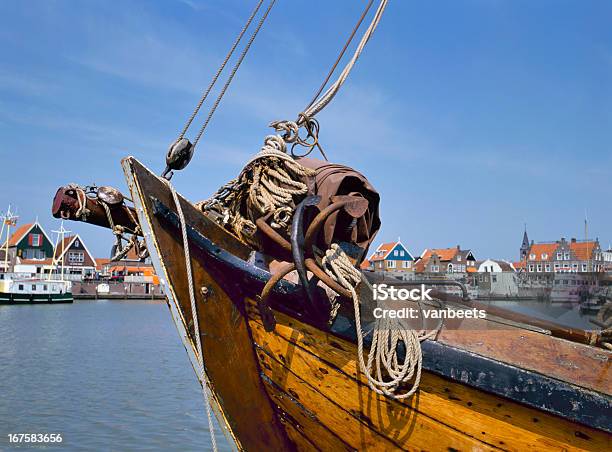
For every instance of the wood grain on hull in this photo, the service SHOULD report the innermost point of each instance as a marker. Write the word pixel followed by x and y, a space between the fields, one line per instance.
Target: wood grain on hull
pixel 298 387
pixel 230 361
pixel 319 371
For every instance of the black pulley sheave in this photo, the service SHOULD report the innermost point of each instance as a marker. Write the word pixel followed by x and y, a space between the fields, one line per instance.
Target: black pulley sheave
pixel 178 156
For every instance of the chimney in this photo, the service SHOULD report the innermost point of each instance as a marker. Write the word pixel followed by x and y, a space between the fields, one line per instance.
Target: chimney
pixel 458 248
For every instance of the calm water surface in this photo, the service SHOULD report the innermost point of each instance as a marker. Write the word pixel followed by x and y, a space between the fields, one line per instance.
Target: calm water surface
pixel 567 314
pixel 113 375
pixel 107 375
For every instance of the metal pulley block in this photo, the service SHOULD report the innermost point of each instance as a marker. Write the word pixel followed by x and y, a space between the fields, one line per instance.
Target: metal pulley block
pixel 178 156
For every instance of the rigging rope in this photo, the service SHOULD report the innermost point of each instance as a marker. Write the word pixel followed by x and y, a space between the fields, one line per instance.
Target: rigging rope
pixel 387 335
pixel 306 117
pixel 319 104
pixel 194 313
pixel 346 44
pixel 232 74
pixel 216 77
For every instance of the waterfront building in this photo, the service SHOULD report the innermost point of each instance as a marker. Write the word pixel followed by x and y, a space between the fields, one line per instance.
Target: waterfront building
pixel 495 278
pixel 446 260
pixel 78 262
pixel 607 258
pixel 562 256
pixel 30 241
pixel 390 257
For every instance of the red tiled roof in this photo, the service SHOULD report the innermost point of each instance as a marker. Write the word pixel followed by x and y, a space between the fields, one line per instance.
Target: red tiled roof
pixel 445 254
pixel 583 250
pixel 19 233
pixel 365 265
pixel 542 251
pixel 101 262
pixel 518 265
pixel 385 248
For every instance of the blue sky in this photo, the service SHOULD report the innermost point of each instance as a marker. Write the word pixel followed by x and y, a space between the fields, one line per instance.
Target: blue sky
pixel 470 117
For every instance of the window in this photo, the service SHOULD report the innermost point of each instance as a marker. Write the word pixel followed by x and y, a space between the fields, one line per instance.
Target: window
pixel 45 287
pixel 401 253
pixel 566 256
pixel 77 243
pixel 539 267
pixel 458 258
pixel 559 256
pixel 390 264
pixel 33 286
pixel 35 239
pixel 532 256
pixel 531 267
pixel 76 256
pixel 544 256
pixel 406 264
pixel 395 252
pixel 547 267
pixel 20 286
pixel 435 268
pixel 493 278
pixel 584 267
pixel 575 268
pixel 450 268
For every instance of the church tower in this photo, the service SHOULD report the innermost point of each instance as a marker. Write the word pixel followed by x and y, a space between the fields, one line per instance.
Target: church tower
pixel 525 245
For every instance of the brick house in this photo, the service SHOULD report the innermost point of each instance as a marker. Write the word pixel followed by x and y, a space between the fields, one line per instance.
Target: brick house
pixel 562 256
pixel 77 260
pixel 389 257
pixel 446 260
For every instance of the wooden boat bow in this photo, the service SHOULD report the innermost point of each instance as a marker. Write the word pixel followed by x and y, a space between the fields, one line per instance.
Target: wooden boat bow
pixel 298 387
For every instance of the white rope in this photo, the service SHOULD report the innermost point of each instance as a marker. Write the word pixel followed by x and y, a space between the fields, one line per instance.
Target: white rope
pixel 194 313
pixel 387 334
pixel 324 99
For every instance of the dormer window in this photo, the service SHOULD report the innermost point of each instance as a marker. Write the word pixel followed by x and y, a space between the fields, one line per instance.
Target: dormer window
pixel 532 256
pixel 544 256
pixel 458 258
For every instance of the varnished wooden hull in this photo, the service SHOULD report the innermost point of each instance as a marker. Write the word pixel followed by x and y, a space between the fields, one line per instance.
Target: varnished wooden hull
pixel 298 387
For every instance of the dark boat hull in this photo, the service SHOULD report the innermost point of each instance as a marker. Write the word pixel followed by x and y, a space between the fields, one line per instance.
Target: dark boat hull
pixel 11 298
pixel 298 387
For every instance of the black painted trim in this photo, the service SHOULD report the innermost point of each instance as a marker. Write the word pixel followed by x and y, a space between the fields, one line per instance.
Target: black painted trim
pixel 520 385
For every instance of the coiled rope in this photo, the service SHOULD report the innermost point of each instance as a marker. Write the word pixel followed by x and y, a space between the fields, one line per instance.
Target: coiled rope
pixel 387 335
pixel 271 182
pixel 194 312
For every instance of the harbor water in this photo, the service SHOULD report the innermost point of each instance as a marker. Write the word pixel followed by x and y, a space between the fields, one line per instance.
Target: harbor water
pixel 113 375
pixel 106 375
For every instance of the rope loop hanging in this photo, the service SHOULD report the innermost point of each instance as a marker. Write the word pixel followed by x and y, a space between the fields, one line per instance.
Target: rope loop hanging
pixel 383 370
